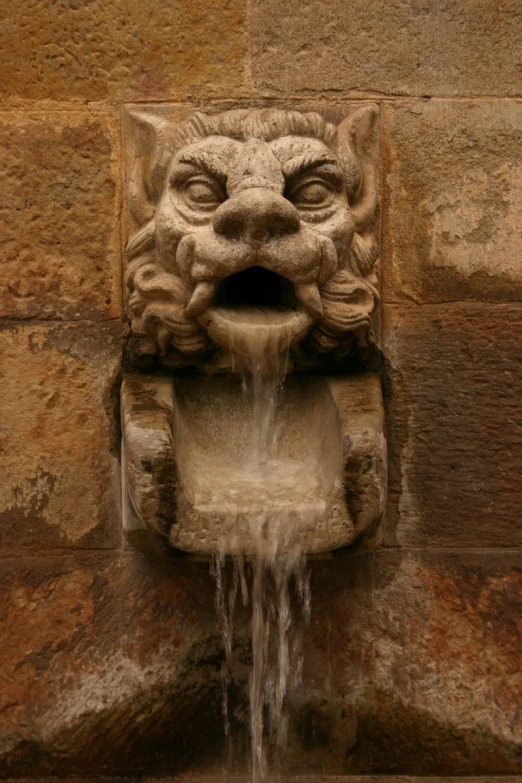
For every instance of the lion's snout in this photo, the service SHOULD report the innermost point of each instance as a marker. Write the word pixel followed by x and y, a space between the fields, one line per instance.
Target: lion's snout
pixel 258 227
pixel 255 217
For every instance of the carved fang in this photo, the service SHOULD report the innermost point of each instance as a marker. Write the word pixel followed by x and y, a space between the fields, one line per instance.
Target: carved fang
pixel 310 298
pixel 201 298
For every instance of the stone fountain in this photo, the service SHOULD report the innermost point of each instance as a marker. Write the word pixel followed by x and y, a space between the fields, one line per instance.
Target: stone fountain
pixel 253 251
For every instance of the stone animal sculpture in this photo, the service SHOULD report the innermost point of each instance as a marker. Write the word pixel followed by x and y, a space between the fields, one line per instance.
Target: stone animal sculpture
pixel 256 239
pixel 252 208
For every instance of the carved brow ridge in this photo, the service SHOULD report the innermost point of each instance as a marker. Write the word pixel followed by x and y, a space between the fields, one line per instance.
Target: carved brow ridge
pixel 204 161
pixel 302 163
pixel 297 165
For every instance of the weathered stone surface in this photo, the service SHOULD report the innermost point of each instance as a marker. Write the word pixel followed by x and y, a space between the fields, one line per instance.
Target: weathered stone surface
pixel 109 665
pixel 255 238
pixel 414 48
pixel 424 650
pixel 204 258
pixel 59 215
pixel 454 201
pixel 185 441
pixel 71 49
pixel 59 440
pixel 454 434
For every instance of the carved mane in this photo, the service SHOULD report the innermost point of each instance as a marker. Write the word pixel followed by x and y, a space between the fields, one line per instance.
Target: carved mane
pixel 157 297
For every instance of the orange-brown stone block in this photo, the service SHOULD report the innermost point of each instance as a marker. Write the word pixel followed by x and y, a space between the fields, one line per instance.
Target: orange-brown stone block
pixel 424 650
pixel 453 418
pixel 90 50
pixel 108 664
pixel 470 47
pixel 453 202
pixel 59 440
pixel 60 253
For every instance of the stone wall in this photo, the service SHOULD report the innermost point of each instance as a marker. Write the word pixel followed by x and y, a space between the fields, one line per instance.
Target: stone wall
pixel 110 663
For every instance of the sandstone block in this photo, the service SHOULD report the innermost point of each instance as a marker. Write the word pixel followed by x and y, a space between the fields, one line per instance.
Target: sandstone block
pixel 424 648
pixel 454 434
pixel 59 254
pixel 413 48
pixel 59 441
pixel 108 665
pixel 89 51
pixel 453 202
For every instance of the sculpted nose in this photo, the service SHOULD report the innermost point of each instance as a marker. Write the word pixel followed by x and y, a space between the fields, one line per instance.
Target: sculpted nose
pixel 255 216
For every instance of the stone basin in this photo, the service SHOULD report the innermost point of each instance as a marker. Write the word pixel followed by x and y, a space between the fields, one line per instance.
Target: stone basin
pixel 193 479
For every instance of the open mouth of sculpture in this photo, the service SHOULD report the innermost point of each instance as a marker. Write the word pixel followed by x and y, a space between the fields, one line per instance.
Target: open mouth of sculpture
pixel 256 313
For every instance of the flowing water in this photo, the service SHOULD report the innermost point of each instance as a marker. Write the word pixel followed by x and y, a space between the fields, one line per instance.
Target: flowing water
pixel 273 580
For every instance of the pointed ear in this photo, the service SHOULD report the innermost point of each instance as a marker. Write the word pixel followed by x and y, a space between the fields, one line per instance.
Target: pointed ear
pixel 357 145
pixel 153 148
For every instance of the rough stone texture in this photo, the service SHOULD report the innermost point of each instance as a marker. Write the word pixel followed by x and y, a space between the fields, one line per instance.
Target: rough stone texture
pixel 399 48
pixel 59 251
pixel 59 441
pixel 423 649
pixel 302 248
pixel 95 49
pixel 455 440
pixel 454 201
pixel 109 664
pixel 186 440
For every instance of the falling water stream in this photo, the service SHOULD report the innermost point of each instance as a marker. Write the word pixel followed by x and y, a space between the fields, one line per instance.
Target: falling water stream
pixel 272 580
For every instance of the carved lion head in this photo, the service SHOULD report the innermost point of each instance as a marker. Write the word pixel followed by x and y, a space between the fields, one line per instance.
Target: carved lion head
pixel 252 221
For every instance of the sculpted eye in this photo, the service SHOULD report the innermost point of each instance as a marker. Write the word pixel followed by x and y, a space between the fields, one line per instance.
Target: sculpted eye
pixel 203 194
pixel 312 194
